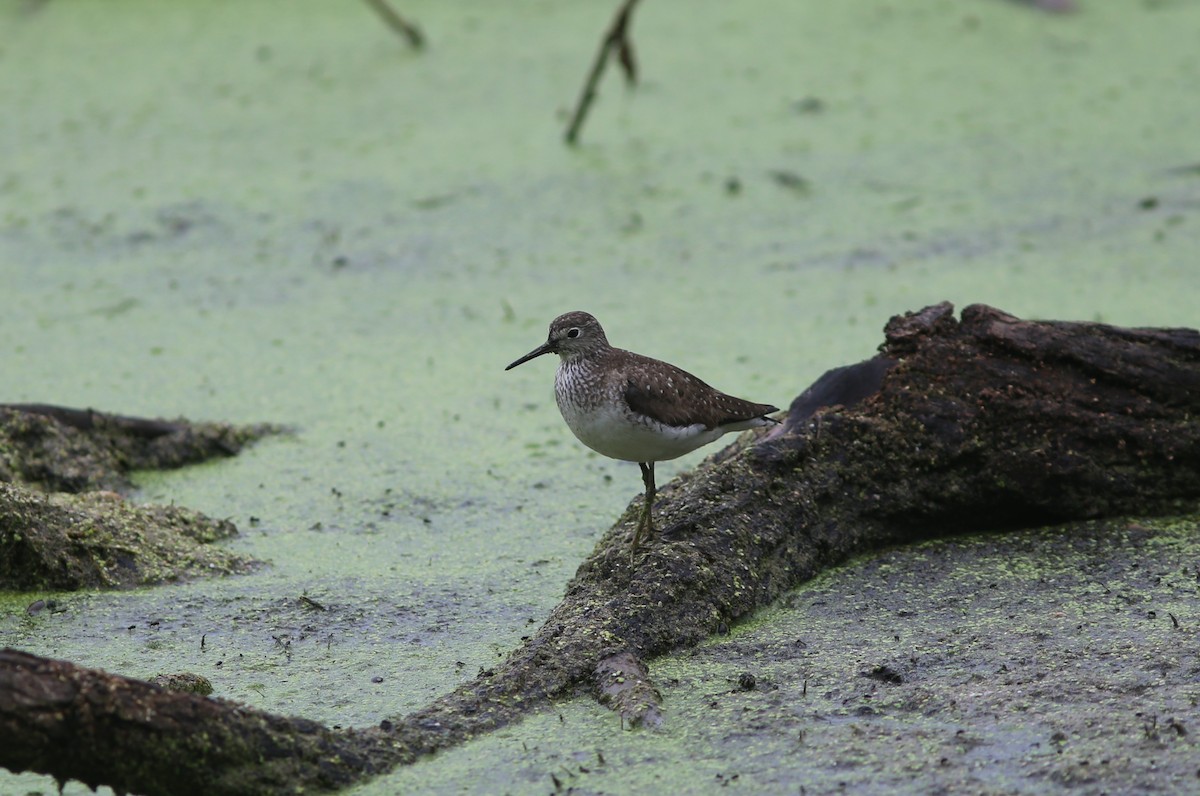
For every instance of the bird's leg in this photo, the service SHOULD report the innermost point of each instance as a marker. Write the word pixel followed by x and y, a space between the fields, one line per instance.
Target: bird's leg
pixel 645 522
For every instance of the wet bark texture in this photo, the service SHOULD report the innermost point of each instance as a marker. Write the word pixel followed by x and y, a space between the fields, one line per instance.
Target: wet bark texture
pixel 135 737
pixel 985 423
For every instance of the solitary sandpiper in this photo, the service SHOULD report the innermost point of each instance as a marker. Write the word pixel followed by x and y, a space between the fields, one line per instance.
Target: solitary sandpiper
pixel 634 408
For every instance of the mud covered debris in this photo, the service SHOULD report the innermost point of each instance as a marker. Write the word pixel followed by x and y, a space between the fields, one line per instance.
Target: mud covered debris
pixel 63 526
pixel 60 449
pixel 99 541
pixel 986 422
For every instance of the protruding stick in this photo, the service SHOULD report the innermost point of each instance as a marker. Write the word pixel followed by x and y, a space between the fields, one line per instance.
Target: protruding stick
pixel 617 36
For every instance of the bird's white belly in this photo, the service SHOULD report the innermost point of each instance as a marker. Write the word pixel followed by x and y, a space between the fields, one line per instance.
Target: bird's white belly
pixel 609 430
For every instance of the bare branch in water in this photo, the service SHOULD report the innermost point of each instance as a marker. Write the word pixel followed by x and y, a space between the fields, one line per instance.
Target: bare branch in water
pixel 397 23
pixel 617 37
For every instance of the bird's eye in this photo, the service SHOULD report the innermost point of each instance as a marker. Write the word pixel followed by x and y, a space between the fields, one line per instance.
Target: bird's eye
pixel 573 332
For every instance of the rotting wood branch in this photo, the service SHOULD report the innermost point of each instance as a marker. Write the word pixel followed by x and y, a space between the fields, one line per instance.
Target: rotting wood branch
pixel 984 422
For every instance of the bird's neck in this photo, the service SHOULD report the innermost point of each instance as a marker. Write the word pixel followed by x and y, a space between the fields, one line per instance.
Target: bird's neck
pixel 578 377
pixel 584 359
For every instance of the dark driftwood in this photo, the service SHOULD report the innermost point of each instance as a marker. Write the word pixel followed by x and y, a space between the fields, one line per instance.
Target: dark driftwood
pixel 987 422
pixel 71 722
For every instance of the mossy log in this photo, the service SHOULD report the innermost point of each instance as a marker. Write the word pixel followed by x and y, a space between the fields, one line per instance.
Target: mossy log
pixel 61 449
pixel 988 422
pixel 62 524
pixel 97 540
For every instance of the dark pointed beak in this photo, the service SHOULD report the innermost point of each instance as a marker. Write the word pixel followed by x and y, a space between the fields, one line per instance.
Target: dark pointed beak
pixel 544 348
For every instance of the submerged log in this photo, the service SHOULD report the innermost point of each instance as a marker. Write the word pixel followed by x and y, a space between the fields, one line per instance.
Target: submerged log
pixel 989 422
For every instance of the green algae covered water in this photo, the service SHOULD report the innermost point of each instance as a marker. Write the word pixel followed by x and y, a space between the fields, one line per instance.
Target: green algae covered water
pixel 277 212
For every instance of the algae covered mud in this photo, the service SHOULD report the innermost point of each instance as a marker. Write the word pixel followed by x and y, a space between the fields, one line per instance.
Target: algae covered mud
pixel 280 211
pixel 944 434
pixel 65 528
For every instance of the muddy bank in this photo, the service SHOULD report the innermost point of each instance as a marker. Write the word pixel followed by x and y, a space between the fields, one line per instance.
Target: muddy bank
pixel 987 422
pixel 60 449
pixel 96 540
pixel 63 525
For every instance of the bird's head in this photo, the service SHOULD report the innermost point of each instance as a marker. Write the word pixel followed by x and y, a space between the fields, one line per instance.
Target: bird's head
pixel 572 335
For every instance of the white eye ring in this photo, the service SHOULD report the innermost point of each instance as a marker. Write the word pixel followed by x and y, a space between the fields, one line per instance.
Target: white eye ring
pixel 573 332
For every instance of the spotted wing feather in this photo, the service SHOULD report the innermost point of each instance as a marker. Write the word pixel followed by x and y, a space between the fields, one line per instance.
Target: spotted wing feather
pixel 674 397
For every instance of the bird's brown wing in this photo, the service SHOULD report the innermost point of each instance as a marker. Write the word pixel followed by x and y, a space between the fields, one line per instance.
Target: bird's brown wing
pixel 675 397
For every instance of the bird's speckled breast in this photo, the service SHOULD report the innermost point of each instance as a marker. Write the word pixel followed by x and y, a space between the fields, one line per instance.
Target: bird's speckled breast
pixel 595 410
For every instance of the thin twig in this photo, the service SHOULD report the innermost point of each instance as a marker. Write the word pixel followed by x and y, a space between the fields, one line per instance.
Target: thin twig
pixel 617 36
pixel 398 23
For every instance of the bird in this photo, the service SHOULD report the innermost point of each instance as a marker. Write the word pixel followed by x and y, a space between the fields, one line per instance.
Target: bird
pixel 634 408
